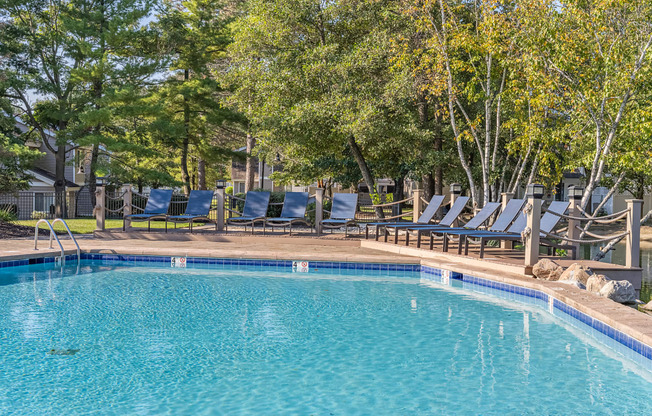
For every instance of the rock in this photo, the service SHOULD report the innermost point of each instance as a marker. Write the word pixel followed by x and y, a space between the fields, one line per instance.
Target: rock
pixel 647 306
pixel 547 270
pixel 596 282
pixel 575 283
pixel 577 272
pixel 620 291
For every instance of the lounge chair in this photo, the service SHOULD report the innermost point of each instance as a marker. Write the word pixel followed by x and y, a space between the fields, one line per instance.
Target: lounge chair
pixel 255 210
pixel 156 208
pixel 506 217
pixel 294 211
pixel 448 220
pixel 198 208
pixel 424 218
pixel 548 222
pixel 474 223
pixel 342 212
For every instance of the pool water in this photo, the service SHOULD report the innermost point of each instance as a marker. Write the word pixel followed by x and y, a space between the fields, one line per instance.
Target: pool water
pixel 119 339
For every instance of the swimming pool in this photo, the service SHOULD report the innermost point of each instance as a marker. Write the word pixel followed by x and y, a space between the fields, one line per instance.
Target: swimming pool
pixel 136 337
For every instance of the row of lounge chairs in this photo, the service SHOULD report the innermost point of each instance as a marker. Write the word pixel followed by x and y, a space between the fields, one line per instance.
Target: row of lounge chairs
pixel 254 211
pixel 508 226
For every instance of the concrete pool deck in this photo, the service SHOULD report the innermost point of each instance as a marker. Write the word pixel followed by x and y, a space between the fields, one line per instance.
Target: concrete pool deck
pixel 335 248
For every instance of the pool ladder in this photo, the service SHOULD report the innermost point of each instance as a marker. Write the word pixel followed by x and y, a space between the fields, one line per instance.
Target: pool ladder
pixel 53 234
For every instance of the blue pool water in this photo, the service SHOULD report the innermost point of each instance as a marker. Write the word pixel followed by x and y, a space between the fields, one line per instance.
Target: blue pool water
pixel 158 340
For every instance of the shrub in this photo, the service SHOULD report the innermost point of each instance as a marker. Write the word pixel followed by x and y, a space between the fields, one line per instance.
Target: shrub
pixel 311 210
pixel 39 215
pixel 7 213
pixel 229 190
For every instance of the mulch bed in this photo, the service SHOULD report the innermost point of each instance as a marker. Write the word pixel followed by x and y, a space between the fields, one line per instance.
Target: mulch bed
pixel 9 230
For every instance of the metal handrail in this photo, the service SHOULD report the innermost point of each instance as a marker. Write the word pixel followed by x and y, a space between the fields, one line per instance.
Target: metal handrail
pixel 54 235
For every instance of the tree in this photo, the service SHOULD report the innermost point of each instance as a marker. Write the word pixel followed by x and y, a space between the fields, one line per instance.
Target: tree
pixel 38 75
pixel 594 56
pixel 313 77
pixel 195 33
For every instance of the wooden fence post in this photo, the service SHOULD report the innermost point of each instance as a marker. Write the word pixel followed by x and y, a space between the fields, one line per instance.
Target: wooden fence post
pixel 127 208
pixel 416 204
pixel 319 209
pixel 100 208
pixel 534 195
pixel 575 194
pixel 633 242
pixel 221 192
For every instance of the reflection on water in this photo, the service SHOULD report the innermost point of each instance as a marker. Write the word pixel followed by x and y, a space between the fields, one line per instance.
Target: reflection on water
pixel 617 256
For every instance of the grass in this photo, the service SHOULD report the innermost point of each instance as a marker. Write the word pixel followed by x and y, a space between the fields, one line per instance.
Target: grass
pixel 87 225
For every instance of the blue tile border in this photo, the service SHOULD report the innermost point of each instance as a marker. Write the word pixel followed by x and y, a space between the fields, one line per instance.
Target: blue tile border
pixel 314 265
pixel 620 337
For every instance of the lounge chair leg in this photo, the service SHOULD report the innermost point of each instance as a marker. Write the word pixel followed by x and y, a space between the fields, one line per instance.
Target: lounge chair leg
pixel 148 225
pixel 396 236
pixel 418 239
pixel 290 229
pixel 466 246
pixel 481 247
pixel 407 238
pixel 432 240
pixel 386 233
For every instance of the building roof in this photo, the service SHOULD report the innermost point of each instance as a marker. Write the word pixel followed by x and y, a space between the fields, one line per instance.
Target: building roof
pixel 49 178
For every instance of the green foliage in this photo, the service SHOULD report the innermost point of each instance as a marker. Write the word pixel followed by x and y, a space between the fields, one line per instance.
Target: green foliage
pixel 229 190
pixel 15 159
pixel 8 213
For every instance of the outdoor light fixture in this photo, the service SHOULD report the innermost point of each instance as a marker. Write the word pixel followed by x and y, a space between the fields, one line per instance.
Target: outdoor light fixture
pixel 456 188
pixel 576 192
pixel 220 184
pixel 535 190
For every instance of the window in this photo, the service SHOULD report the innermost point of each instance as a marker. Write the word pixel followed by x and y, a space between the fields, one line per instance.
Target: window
pixel 43 201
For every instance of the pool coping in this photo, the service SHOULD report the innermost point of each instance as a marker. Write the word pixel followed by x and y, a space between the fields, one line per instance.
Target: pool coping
pixel 625 325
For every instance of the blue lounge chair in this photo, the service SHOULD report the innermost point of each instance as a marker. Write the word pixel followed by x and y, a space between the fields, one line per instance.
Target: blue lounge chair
pixel 448 220
pixel 506 217
pixel 156 208
pixel 255 210
pixel 342 212
pixel 294 211
pixel 198 208
pixel 478 219
pixel 424 218
pixel 548 222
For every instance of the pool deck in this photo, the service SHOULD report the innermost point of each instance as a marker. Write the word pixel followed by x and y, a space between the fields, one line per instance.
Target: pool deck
pixel 499 265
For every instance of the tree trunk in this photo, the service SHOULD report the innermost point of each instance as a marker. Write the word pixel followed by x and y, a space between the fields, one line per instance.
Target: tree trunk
pixel 439 172
pixel 185 175
pixel 366 173
pixel 428 183
pixel 60 182
pixel 201 174
pixel 249 167
pixel 398 194
pixel 92 177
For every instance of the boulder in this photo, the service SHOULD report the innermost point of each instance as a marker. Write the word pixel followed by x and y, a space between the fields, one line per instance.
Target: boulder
pixel 577 272
pixel 547 270
pixel 620 291
pixel 575 283
pixel 596 282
